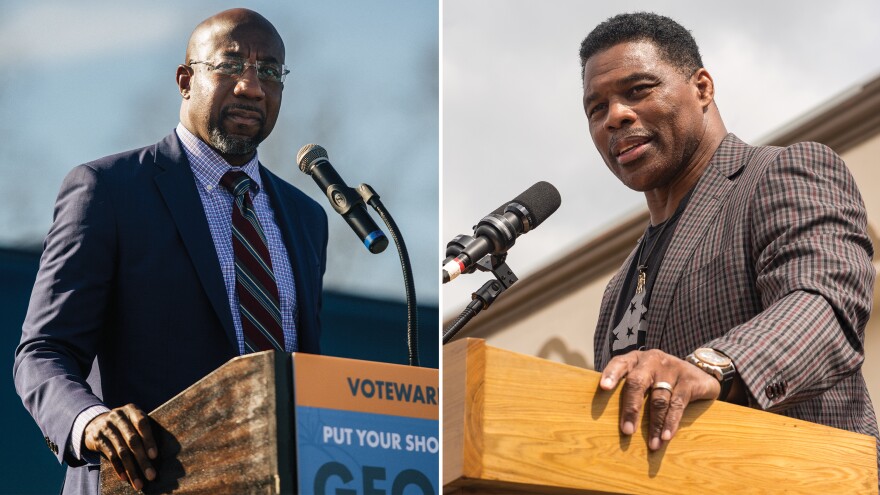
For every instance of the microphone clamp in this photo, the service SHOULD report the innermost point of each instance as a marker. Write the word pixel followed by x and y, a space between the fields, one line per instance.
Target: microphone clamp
pixel 343 198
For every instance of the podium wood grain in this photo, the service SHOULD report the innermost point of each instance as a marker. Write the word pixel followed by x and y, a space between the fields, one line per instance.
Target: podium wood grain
pixel 519 424
pixel 221 435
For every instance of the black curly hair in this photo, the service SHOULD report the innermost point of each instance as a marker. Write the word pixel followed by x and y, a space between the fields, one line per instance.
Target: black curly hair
pixel 673 41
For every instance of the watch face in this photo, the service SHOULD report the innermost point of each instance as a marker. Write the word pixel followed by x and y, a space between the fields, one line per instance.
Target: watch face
pixel 712 357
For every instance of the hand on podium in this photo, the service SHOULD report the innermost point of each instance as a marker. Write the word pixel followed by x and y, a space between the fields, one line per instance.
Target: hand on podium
pixel 125 438
pixel 671 382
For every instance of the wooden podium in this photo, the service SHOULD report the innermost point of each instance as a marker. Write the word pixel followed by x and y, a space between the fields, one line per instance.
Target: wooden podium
pixel 519 424
pixel 237 430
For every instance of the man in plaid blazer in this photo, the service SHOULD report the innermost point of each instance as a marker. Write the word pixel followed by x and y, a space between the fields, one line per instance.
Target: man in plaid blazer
pixel 754 281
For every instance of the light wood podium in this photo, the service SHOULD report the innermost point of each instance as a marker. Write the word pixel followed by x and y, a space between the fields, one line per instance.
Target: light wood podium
pixel 519 424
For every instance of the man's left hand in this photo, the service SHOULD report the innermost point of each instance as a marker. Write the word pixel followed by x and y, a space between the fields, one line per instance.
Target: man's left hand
pixel 643 371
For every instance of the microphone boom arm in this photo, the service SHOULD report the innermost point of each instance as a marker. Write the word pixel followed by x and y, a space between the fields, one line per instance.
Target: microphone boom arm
pixel 412 320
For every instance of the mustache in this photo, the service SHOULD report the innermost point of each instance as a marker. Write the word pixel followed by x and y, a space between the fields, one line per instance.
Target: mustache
pixel 633 133
pixel 241 106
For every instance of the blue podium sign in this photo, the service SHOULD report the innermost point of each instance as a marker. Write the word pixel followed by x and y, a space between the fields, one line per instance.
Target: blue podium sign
pixel 365 428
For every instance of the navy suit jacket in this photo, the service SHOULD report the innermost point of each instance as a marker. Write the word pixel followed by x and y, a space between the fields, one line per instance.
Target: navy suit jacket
pixel 129 305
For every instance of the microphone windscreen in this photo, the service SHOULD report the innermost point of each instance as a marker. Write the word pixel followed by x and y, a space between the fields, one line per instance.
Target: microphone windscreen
pixel 308 154
pixel 541 200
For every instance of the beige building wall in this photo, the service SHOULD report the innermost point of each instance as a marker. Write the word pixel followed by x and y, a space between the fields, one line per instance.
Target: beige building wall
pixel 553 314
pixel 864 162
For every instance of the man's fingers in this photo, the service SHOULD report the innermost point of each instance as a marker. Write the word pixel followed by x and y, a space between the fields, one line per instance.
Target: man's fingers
pixel 677 404
pixel 631 398
pixel 669 384
pixel 125 438
pixel 103 446
pixel 96 440
pixel 133 438
pixel 661 393
pixel 125 455
pixel 141 422
pixel 617 369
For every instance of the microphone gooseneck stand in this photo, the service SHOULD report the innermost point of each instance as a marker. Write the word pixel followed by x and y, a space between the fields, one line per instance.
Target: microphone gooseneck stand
pixel 412 320
pixel 485 295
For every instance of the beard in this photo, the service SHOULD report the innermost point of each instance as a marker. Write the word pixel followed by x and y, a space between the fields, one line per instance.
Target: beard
pixel 233 145
pixel 229 145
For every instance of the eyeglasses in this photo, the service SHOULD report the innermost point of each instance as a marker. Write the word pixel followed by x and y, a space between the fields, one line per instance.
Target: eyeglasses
pixel 266 71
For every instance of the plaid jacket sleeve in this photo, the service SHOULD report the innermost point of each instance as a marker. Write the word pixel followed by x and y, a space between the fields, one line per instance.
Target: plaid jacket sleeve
pixel 811 256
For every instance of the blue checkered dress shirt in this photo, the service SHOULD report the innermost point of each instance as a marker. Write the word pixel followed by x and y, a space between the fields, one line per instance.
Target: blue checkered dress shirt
pixel 208 167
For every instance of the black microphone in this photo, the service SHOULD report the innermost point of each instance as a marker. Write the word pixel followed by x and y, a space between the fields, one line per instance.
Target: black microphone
pixel 312 160
pixel 497 232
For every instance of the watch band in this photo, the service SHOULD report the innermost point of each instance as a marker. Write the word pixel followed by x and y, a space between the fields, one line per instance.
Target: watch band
pixel 726 383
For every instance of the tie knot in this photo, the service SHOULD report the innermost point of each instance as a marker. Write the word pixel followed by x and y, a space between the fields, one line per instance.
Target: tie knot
pixel 236 182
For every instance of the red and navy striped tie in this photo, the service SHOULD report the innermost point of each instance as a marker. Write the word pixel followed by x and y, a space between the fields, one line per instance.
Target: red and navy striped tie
pixel 255 283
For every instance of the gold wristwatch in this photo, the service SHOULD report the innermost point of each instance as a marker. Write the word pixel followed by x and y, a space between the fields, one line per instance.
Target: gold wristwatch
pixel 717 364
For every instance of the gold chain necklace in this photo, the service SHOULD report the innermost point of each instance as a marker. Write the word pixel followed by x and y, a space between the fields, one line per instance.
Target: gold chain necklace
pixel 643 268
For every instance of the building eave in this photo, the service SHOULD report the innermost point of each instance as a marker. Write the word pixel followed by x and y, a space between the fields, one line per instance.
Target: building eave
pixel 840 123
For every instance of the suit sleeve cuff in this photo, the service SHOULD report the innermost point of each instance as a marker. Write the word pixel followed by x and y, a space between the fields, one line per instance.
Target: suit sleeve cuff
pixel 77 434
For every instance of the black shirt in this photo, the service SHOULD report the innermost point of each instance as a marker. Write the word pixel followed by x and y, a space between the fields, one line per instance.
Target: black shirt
pixel 630 331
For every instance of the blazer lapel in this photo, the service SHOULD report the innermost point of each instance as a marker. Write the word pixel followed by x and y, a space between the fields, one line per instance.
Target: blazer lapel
pixel 704 206
pixel 293 231
pixel 177 186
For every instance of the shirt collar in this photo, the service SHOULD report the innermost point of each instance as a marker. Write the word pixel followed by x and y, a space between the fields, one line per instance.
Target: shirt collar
pixel 208 166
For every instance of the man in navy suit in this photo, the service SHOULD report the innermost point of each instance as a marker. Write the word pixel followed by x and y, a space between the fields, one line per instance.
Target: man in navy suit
pixel 136 296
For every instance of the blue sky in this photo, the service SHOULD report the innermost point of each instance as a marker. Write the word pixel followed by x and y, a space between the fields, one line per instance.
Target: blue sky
pixel 89 79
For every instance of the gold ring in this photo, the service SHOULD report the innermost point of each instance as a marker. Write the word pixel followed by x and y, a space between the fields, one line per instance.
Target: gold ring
pixel 663 385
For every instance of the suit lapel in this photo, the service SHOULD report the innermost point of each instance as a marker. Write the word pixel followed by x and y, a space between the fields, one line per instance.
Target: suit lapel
pixel 704 206
pixel 293 231
pixel 177 186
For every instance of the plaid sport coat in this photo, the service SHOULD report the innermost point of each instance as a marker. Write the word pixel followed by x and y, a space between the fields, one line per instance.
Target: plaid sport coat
pixel 771 264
